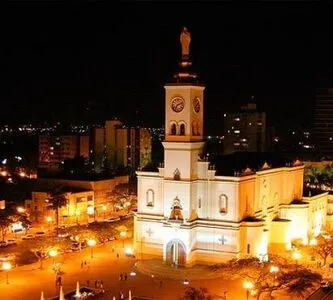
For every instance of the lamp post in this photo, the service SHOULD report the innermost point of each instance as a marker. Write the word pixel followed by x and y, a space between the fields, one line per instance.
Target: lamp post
pixel 248 285
pixel 91 243
pixel 7 266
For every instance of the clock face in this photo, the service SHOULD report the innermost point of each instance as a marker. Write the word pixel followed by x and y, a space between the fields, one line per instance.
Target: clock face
pixel 177 104
pixel 196 104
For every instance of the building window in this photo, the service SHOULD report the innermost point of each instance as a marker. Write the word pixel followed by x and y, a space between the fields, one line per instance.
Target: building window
pixel 150 198
pixel 173 129
pixel 248 248
pixel 182 129
pixel 90 198
pixel 199 203
pixel 223 204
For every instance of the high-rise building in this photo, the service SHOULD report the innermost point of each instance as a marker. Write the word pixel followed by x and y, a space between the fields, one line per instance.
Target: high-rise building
pixel 118 146
pixel 323 121
pixel 55 149
pixel 245 130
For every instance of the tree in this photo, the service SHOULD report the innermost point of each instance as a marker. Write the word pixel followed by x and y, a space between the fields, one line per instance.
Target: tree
pixel 192 293
pixel 286 275
pixel 311 175
pixel 324 248
pixel 5 222
pixel 58 199
pixel 123 196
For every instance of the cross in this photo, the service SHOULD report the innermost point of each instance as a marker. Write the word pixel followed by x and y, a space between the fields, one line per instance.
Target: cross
pixel 149 231
pixel 222 239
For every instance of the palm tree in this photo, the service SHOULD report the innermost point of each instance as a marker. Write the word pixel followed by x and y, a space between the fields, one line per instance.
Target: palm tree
pixel 5 222
pixel 311 175
pixel 58 199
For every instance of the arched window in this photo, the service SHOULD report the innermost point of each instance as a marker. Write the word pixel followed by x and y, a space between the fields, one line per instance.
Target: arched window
pixel 150 198
pixel 173 129
pixel 223 203
pixel 176 174
pixel 182 129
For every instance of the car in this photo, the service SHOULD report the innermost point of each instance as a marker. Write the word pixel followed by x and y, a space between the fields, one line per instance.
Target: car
pixel 63 234
pixel 40 233
pixel 28 237
pixel 3 244
pixel 11 242
pixel 115 219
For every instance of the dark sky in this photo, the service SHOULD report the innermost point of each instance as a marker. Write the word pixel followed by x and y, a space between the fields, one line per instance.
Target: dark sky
pixel 92 62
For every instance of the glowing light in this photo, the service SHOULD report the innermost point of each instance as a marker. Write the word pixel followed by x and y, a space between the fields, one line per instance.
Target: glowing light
pixel 90 210
pixel 297 255
pixel 48 219
pixel 248 285
pixel 20 209
pixel 4 173
pixel 77 213
pixel 91 243
pixel 6 266
pixel 4 161
pixel 186 282
pixel 274 269
pixel 104 207
pixel 129 251
pixel 123 234
pixel 22 174
pixel 313 242
pixel 53 252
pixel 133 273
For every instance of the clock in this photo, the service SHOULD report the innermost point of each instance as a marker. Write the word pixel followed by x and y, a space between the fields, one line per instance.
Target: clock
pixel 177 104
pixel 196 104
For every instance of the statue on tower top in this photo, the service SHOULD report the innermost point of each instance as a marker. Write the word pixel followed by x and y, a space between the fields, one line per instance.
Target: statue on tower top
pixel 185 40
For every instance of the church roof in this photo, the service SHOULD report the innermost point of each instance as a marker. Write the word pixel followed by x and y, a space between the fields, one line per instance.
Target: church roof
pixel 238 162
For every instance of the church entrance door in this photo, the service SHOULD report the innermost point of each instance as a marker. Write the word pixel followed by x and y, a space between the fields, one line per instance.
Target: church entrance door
pixel 175 253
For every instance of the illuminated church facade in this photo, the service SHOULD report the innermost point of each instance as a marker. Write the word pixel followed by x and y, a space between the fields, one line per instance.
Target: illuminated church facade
pixel 187 213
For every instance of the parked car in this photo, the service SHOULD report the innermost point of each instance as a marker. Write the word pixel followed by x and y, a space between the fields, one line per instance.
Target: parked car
pixel 28 237
pixel 3 244
pixel 114 219
pixel 63 234
pixel 40 233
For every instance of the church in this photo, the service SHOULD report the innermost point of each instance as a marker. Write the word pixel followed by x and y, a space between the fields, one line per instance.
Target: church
pixel 188 213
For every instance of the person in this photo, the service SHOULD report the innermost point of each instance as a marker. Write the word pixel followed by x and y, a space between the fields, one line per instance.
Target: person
pixel 125 276
pixel 185 40
pixel 101 285
pixel 95 284
pixel 85 262
pixel 121 295
pixel 121 276
pixel 117 255
pixel 112 249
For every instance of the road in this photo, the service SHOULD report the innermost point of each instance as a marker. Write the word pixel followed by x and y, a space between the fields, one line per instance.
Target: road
pixel 27 282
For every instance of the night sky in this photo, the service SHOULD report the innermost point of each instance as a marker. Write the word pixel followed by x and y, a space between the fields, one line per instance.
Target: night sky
pixel 86 63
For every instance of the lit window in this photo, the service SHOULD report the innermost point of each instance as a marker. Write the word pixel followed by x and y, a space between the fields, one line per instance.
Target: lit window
pixel 223 204
pixel 150 198
pixel 237 131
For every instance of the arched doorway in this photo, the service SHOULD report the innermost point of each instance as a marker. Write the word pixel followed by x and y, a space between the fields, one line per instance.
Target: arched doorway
pixel 175 253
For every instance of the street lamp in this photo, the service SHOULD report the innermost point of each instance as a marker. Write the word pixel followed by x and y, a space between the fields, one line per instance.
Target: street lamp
pixel 248 285
pixel 6 266
pixel 53 253
pixel 297 256
pixel 123 235
pixel 91 243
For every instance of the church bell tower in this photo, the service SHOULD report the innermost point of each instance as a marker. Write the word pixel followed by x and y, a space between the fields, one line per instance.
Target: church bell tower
pixel 183 119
